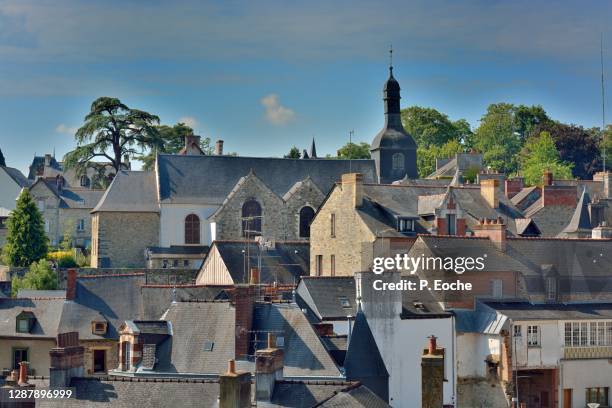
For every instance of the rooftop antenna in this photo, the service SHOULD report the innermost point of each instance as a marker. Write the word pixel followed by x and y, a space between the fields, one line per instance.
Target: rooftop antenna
pixel 603 105
pixel 391 59
pixel 351 132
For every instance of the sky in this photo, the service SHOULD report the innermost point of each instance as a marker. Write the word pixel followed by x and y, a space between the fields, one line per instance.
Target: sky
pixel 265 76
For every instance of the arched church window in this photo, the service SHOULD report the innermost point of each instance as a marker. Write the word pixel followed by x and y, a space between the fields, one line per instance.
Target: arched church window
pixel 306 217
pixel 397 161
pixel 192 229
pixel 84 181
pixel 251 218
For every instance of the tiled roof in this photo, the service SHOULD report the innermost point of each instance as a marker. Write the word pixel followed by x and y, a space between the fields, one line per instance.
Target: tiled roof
pixel 17 176
pixel 157 299
pixel 523 310
pixel 581 219
pixel 46 311
pixel 322 296
pixel 360 396
pixel 38 294
pixel 209 179
pixel 131 191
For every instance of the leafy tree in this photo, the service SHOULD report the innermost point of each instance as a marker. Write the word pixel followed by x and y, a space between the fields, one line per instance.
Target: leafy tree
pixel 26 241
pixel 354 151
pixel 294 153
pixel 540 154
pixel 40 276
pixel 527 118
pixel 605 139
pixel 2 161
pixel 426 156
pixel 171 141
pixel 497 139
pixel 112 131
pixel 575 145
pixel 430 127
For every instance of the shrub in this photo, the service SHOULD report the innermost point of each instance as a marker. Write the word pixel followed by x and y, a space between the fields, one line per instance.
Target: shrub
pixel 63 259
pixel 40 276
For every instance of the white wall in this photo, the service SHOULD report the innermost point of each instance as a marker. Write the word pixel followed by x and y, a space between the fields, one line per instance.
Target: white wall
pixel 581 374
pixel 545 356
pixel 9 190
pixel 172 223
pixel 472 350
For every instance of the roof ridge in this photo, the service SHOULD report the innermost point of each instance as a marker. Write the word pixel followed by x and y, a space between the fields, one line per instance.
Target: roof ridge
pixel 111 275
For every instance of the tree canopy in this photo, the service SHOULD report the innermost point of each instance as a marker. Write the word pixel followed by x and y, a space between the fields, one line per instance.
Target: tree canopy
pixel 426 156
pixel 2 160
pixel 540 154
pixel 26 241
pixel 354 151
pixel 432 128
pixel 294 153
pixel 112 131
pixel 171 139
pixel 40 276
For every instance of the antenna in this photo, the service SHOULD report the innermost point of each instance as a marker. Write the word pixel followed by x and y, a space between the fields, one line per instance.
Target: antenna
pixel 391 59
pixel 351 132
pixel 603 105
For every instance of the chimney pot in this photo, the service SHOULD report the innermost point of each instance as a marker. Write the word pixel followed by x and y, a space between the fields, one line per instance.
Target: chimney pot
pixel 271 341
pixel 71 284
pixel 219 147
pixel 23 373
pixel 432 344
pixel 231 367
pixel 254 276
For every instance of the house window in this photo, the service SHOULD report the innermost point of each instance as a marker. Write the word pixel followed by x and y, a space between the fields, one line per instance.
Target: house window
pixel 405 225
pixel 497 286
pixel 192 229
pixel 332 226
pixel 81 225
pixel 175 263
pixel 551 289
pixel 597 395
pixel 41 205
pixel 332 265
pixel 99 328
pixel 518 331
pixel 23 326
pixel 397 161
pixel 451 224
pixel 99 361
pixel 280 341
pixel 344 302
pixel 586 334
pixel 319 265
pixel 306 217
pixel 251 218
pixel 84 181
pixel 209 345
pixel 186 263
pixel 19 355
pixel 164 263
pixel 533 336
pixel 47 226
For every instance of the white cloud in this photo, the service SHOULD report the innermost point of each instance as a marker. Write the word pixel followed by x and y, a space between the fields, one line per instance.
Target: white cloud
pixel 68 130
pixel 189 121
pixel 276 113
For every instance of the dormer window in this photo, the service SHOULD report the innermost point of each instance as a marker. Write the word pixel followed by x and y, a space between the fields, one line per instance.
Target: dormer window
pixel 99 327
pixel 344 302
pixel 24 322
pixel 551 289
pixel 405 225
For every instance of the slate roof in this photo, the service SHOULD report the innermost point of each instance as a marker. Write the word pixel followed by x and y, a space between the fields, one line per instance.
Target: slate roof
pixel 131 191
pixel 76 197
pixel 321 295
pixel 179 250
pixel 33 293
pixel 284 264
pixel 17 176
pixel 46 311
pixel 115 298
pixel 355 397
pixel 193 324
pixel 482 319
pixel 209 179
pixel 305 354
pixel 518 198
pixel 550 219
pixel 156 299
pixel 581 219
pixel 523 310
pixel 38 165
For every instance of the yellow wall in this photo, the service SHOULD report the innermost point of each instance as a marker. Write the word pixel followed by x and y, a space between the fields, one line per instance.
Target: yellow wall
pixel 38 353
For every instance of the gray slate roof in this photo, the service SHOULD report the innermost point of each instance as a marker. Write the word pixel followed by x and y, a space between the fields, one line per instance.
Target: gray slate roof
pixel 157 299
pixel 209 179
pixel 522 310
pixel 321 295
pixel 33 293
pixel 115 298
pixel 131 191
pixel 581 219
pixel 46 311
pixel 17 176
pixel 355 397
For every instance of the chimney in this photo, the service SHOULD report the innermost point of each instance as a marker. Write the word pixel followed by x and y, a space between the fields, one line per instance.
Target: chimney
pixel 602 231
pixel 254 276
pixel 560 195
pixel 607 184
pixel 244 303
pixel 269 369
pixel 47 160
pixel 354 182
pixel 71 284
pixel 547 178
pixel 234 388
pixel 432 375
pixel 23 375
pixel 219 147
pixel 513 187
pixel 494 229
pixel 489 191
pixel 67 360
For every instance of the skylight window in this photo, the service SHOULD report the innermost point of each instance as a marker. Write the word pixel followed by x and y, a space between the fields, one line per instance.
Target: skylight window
pixel 209 345
pixel 344 302
pixel 280 341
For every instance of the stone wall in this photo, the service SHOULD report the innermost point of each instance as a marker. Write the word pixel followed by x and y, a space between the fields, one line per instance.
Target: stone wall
pixel 308 194
pixel 111 347
pixel 69 219
pixel 119 239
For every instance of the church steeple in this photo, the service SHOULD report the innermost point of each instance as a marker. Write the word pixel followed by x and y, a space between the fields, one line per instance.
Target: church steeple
pixel 313 150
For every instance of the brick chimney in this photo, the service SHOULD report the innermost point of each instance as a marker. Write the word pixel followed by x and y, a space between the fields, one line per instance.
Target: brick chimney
pixel 354 183
pixel 23 375
pixel 219 147
pixel 489 191
pixel 71 280
pixel 513 187
pixel 547 178
pixel 67 360
pixel 607 184
pixel 494 229
pixel 244 303
pixel 269 369
pixel 234 388
pixel 432 375
pixel 559 195
pixel 254 278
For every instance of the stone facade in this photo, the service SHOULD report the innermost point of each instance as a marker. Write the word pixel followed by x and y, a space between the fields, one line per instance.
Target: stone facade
pixel 280 215
pixel 111 349
pixel 119 239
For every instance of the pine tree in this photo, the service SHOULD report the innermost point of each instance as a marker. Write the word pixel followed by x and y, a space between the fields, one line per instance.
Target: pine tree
pixel 26 241
pixel 2 161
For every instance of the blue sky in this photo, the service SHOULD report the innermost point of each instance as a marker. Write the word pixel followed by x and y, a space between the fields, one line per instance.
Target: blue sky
pixel 265 76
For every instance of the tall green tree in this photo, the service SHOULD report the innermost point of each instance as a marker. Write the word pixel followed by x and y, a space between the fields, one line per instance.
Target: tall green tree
pixel 426 156
pixel 40 276
pixel 294 153
pixel 527 118
pixel 430 127
pixel 112 131
pixel 171 139
pixel 354 151
pixel 2 161
pixel 26 241
pixel 540 154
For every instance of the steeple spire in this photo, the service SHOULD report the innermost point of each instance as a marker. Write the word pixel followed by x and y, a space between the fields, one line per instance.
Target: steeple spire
pixel 313 150
pixel 391 60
